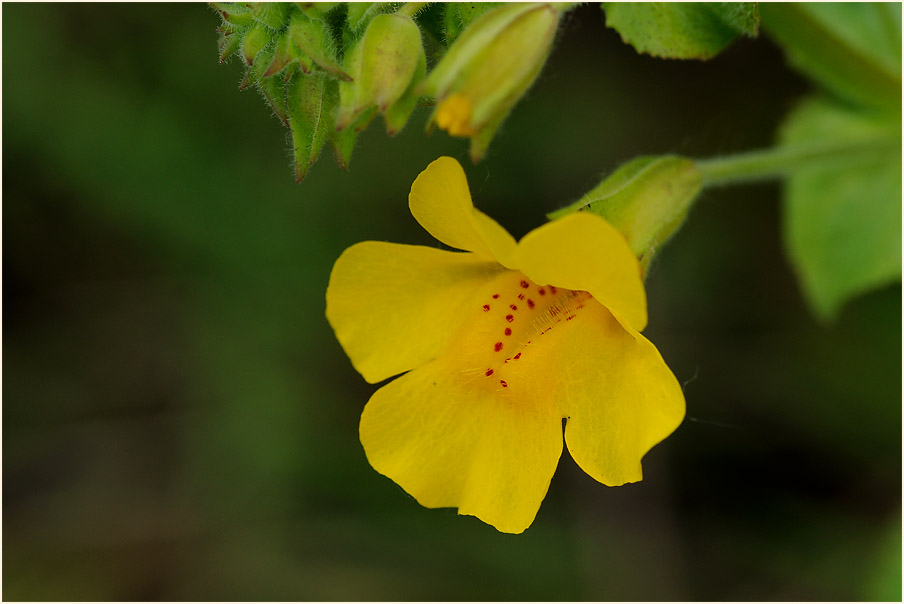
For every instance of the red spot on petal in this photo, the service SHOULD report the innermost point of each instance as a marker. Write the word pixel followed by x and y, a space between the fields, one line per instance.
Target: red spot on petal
pixel 520 296
pixel 486 307
pixel 530 303
pixel 489 372
pixel 513 307
pixel 552 289
pixel 509 318
pixel 504 385
pixel 570 318
pixel 542 291
pixel 495 296
pixel 517 356
pixel 525 284
pixel 498 346
pixel 508 331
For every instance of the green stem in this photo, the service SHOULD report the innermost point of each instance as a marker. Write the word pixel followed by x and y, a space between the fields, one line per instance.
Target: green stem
pixel 779 162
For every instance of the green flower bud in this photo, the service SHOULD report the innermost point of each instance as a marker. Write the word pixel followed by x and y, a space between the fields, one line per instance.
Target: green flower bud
pixel 488 68
pixel 646 199
pixel 384 65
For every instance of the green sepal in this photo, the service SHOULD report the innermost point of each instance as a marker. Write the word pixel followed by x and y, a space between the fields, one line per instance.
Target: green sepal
pixel 360 13
pixel 480 142
pixel 460 14
pixel 228 43
pixel 291 70
pixel 272 14
pixel 248 78
pixel 272 88
pixel 313 38
pixel 681 30
pixel 274 91
pixel 317 10
pixel 842 218
pixel 646 199
pixel 343 142
pixel 310 119
pixel 256 38
pixel 852 49
pixel 234 13
pixel 282 54
pixel 348 95
pixel 363 120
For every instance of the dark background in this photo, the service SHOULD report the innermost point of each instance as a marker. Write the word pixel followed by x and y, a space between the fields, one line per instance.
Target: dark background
pixel 180 423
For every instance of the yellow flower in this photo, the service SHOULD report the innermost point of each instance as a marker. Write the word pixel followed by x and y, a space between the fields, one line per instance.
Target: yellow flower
pixel 500 343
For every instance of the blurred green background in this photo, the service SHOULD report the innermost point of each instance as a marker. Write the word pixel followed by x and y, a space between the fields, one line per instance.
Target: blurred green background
pixel 179 422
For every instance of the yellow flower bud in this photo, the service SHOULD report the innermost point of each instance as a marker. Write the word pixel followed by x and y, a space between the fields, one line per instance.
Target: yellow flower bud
pixel 489 67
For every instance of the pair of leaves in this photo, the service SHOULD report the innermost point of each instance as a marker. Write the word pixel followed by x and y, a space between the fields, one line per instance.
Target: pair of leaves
pixel 842 215
pixel 842 219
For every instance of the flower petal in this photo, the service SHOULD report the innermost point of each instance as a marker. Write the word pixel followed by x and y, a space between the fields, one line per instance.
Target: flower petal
pixel 394 307
pixel 454 440
pixel 584 252
pixel 618 395
pixel 441 202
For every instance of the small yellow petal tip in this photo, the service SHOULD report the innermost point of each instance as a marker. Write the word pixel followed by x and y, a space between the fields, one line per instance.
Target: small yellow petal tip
pixel 454 115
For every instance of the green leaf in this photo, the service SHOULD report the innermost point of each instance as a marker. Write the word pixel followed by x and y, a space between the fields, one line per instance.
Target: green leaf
pixel 681 30
pixel 843 219
pixel 646 199
pixel 852 49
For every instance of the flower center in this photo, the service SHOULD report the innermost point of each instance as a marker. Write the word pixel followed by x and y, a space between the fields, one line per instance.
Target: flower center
pixel 513 317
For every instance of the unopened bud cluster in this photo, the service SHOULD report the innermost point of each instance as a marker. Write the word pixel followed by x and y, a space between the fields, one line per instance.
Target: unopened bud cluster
pixel 328 68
